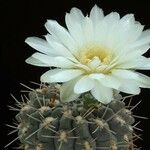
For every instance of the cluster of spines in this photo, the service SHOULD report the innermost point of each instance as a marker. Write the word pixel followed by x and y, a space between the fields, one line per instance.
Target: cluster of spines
pixel 51 123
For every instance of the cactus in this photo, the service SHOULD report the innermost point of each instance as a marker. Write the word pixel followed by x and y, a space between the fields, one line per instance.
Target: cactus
pixel 45 123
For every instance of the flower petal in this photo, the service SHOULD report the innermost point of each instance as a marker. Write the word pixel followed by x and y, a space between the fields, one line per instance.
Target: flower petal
pixel 106 80
pixel 60 75
pixel 58 48
pixel 39 44
pixel 134 52
pixel 112 18
pixel 144 39
pixel 101 93
pixel 139 63
pixel 77 14
pixel 129 86
pixel 111 82
pixel 101 32
pixel 74 21
pixel 143 81
pixel 128 31
pixel 53 61
pixel 125 74
pixel 88 29
pixel 127 20
pixel 143 64
pixel 146 65
pixel 96 14
pixel 112 21
pixel 83 85
pixel 61 33
pixel 33 61
pixel 67 91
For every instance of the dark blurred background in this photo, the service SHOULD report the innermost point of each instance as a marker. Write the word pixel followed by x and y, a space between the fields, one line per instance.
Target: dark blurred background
pixel 24 18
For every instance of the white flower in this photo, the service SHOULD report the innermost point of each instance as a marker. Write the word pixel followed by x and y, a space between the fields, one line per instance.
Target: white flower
pixel 95 53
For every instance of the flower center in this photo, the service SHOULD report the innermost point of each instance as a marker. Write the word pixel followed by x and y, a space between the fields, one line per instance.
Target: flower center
pixel 90 54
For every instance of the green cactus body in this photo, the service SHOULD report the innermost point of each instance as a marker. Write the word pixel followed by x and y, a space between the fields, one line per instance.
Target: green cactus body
pixel 45 123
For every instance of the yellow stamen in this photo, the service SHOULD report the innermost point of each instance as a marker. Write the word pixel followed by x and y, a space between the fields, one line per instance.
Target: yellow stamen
pixel 88 54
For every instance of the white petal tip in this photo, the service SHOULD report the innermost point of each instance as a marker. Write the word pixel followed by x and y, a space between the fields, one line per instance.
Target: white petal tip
pixel 105 101
pixel 95 6
pixel 51 22
pixel 28 60
pixel 28 40
pixel 45 78
pixel 33 61
pixel 77 91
